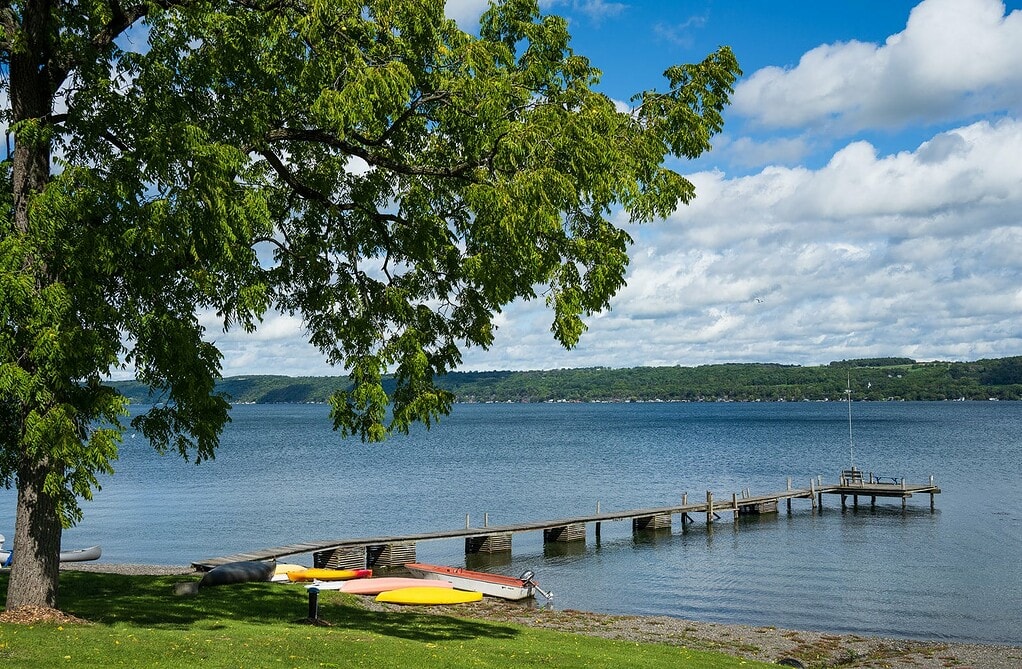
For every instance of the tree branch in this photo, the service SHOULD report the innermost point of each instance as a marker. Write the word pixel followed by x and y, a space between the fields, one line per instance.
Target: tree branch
pixel 9 25
pixel 297 186
pixel 322 137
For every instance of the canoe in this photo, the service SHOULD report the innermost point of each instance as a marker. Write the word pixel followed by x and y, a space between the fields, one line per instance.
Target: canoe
pixel 494 585
pixel 328 574
pixel 375 586
pixel 243 571
pixel 81 554
pixel 78 555
pixel 427 596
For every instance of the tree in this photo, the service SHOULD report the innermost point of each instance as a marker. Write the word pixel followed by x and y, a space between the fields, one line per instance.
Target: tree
pixel 364 165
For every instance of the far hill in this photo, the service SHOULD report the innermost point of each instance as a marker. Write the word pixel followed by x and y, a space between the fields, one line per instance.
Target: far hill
pixel 871 379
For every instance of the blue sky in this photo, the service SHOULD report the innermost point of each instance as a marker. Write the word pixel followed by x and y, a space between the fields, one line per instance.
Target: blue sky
pixel 864 199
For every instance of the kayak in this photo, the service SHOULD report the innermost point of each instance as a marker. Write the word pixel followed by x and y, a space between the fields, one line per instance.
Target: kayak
pixel 328 574
pixel 426 596
pixel 377 585
pixel 282 570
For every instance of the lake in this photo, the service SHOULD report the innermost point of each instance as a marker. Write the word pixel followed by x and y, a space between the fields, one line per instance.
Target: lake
pixel 283 476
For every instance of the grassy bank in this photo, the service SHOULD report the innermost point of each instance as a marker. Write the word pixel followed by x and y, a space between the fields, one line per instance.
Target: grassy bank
pixel 136 621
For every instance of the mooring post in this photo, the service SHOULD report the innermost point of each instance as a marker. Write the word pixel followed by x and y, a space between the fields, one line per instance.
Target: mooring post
pixel 486 519
pixel 734 500
pixel 812 493
pixel 684 514
pixel 709 507
pixel 467 526
pixel 789 483
pixel 597 522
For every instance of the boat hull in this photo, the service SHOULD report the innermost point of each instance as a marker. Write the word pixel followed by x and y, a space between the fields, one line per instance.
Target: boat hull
pixel 494 585
pixel 79 555
pixel 328 574
pixel 243 571
pixel 425 596
pixel 375 586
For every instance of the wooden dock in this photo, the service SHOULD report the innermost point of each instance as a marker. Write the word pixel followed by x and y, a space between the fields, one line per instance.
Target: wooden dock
pixel 391 551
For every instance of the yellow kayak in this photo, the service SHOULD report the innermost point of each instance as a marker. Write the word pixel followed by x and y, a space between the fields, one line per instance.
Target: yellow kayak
pixel 428 596
pixel 328 574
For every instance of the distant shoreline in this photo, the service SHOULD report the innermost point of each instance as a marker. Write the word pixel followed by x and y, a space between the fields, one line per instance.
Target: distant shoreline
pixel 882 379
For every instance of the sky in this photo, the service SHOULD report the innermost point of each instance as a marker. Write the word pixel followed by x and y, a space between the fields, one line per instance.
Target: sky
pixel 864 199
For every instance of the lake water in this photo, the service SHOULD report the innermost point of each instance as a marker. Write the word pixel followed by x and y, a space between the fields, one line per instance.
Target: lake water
pixel 282 476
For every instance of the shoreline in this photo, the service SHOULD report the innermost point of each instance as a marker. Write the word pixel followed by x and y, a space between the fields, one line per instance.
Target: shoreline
pixel 766 644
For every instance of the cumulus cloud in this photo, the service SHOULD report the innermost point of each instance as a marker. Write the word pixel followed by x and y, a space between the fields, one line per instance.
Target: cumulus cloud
pixel 912 253
pixel 954 58
pixel 466 13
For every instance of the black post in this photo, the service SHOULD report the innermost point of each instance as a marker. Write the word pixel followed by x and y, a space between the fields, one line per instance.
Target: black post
pixel 313 604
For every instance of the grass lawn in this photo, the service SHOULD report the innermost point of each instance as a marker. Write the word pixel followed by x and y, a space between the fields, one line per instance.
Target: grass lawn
pixel 136 621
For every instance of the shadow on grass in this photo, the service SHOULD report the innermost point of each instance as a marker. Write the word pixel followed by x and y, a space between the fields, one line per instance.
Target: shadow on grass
pixel 148 601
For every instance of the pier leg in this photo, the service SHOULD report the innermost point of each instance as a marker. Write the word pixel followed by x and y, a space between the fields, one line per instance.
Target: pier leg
pixel 709 507
pixel 931 499
pixel 844 498
pixel 734 501
pixel 789 504
pixel 873 502
pixel 855 501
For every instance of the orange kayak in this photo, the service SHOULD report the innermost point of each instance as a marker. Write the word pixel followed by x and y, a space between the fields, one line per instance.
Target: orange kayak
pixel 328 574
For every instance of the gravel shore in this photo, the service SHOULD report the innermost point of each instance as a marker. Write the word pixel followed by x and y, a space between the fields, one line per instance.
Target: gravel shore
pixel 768 644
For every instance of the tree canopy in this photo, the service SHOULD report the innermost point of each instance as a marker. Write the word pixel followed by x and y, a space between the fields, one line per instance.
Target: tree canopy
pixel 365 166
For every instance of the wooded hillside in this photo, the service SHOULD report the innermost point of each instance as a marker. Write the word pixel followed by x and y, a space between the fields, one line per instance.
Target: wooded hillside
pixel 873 379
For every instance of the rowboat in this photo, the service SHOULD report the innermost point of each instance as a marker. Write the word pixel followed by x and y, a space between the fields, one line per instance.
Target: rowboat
pixel 428 596
pixel 494 585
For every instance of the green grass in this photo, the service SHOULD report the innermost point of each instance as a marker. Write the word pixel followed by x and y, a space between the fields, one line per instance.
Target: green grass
pixel 137 622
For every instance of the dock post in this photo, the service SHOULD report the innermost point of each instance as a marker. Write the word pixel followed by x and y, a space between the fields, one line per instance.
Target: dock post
pixel 812 493
pixel 709 507
pixel 467 526
pixel 789 504
pixel 598 522
pixel 789 484
pixel 486 520
pixel 684 514
pixel 734 501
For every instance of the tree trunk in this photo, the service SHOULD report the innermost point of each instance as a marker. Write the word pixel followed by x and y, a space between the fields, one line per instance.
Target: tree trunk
pixel 35 566
pixel 37 529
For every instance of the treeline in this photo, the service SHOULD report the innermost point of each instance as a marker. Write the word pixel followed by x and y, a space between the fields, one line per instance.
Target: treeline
pixel 874 379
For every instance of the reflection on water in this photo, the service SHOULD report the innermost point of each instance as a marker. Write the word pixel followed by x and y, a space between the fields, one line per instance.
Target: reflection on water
pixel 282 476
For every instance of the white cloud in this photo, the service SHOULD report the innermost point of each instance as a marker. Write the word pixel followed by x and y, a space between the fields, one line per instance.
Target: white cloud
pixel 466 13
pixel 913 253
pixel 954 58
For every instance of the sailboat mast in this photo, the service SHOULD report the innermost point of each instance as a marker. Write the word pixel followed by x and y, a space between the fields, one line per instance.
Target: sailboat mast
pixel 851 444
